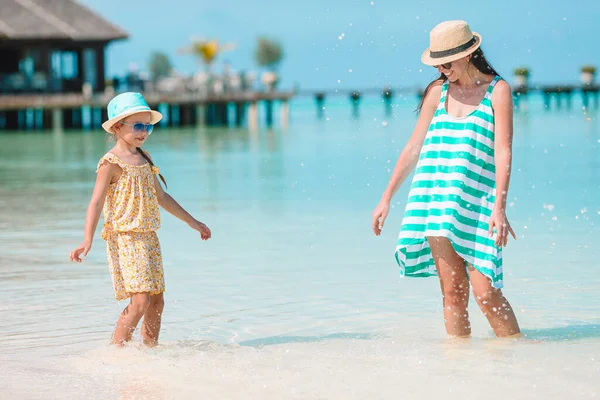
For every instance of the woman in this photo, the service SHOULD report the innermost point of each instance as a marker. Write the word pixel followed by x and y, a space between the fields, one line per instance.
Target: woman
pixel 455 218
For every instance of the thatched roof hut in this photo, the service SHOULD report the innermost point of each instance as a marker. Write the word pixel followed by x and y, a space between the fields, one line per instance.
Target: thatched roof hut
pixel 52 46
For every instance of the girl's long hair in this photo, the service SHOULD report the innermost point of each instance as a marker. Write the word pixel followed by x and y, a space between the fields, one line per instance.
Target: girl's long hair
pixel 478 60
pixel 143 154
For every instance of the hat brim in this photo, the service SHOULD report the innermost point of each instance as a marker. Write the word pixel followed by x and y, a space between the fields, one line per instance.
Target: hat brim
pixel 155 117
pixel 428 60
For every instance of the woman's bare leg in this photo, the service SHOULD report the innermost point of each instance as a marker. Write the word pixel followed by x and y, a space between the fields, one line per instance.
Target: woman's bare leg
pixel 494 305
pixel 454 281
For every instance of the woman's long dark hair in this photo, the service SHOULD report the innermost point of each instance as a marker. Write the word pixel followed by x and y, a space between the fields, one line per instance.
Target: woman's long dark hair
pixel 478 60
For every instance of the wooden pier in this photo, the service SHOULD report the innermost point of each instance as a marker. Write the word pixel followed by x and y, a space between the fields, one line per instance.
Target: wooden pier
pixel 557 94
pixel 65 111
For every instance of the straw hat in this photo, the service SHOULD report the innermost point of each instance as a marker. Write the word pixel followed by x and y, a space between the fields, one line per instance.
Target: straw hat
pixel 450 41
pixel 126 104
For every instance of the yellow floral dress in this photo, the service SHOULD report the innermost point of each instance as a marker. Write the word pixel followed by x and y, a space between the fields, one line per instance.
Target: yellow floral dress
pixel 131 219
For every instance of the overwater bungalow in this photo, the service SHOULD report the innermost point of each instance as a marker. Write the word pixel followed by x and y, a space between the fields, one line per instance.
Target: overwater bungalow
pixel 52 46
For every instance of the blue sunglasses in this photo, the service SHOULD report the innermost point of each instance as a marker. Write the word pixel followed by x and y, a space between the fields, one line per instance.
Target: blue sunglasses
pixel 139 127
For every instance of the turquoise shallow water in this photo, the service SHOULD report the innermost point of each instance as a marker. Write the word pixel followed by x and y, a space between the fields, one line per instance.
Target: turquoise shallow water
pixel 294 297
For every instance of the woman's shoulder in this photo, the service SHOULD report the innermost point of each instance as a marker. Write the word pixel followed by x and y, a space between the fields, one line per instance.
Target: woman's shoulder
pixel 501 84
pixel 434 93
pixel 502 92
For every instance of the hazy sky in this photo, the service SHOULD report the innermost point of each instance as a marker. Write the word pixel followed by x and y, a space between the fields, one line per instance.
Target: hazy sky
pixel 360 43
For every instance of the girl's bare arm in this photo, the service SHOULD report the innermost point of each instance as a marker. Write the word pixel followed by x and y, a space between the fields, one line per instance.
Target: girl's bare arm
pixel 106 173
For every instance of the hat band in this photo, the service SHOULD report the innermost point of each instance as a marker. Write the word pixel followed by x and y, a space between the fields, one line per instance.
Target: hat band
pixel 451 52
pixel 133 109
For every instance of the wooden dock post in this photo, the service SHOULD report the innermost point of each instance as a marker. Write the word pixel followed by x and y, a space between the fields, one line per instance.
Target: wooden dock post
pixel 200 115
pixel 269 112
pixel 253 115
pixel 96 117
pixel 587 91
pixel 38 119
pixel 568 95
pixel 355 98
pixel 320 99
pixel 12 120
pixel 211 114
pixel 175 115
pixel 86 118
pixel 387 95
pixel 217 114
pixel 224 114
pixel 547 101
pixel 239 113
pixel 285 113
pixel 47 119
pixel 77 118
pixel 185 115
pixel 57 120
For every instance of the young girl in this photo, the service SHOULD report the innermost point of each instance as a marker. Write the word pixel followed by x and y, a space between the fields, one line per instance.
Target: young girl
pixel 129 192
pixel 455 218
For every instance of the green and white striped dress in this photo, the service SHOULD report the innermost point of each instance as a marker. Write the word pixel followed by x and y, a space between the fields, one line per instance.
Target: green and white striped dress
pixel 453 192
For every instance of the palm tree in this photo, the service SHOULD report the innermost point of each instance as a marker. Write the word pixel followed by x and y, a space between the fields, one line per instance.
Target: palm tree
pixel 160 66
pixel 269 54
pixel 206 50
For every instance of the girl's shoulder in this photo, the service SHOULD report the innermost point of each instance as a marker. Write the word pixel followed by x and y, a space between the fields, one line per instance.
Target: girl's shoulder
pixel 110 160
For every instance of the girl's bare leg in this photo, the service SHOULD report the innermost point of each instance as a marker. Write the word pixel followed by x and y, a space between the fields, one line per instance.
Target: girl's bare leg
pixel 152 319
pixel 130 317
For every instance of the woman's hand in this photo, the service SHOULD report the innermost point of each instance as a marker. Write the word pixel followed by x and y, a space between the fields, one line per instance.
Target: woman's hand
pixel 379 216
pixel 499 221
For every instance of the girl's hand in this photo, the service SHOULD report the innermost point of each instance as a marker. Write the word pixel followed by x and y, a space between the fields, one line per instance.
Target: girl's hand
pixel 379 216
pixel 84 248
pixel 500 222
pixel 203 229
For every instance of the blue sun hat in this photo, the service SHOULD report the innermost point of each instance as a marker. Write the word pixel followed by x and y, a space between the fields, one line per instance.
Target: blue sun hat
pixel 126 104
